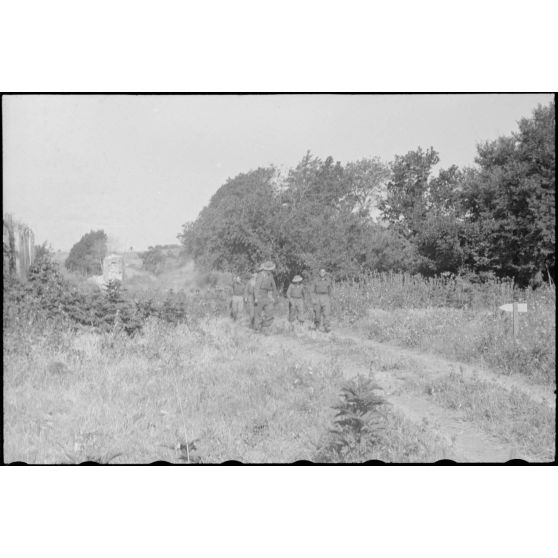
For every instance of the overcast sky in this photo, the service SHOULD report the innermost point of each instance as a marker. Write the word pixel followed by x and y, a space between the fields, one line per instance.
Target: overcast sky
pixel 141 166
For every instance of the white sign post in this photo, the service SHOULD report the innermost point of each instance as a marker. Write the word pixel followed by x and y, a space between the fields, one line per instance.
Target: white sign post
pixel 516 308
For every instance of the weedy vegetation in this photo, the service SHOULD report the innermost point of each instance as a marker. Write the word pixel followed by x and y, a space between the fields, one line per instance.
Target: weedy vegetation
pixel 365 428
pixel 136 375
pixel 457 318
pixel 509 415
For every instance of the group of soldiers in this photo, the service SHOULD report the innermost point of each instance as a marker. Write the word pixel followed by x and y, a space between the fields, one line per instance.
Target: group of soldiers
pixel 260 294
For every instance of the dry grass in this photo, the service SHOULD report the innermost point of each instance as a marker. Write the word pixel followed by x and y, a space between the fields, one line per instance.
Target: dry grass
pixel 390 291
pixel 482 338
pixel 457 319
pixel 171 393
pixel 211 391
pixel 509 415
pixel 112 394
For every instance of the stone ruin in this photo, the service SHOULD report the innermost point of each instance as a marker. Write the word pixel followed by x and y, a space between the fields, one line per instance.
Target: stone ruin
pixel 113 268
pixel 18 247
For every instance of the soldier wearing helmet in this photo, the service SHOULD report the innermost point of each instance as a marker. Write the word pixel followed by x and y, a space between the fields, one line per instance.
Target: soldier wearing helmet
pixel 249 293
pixel 296 294
pixel 321 293
pixel 265 294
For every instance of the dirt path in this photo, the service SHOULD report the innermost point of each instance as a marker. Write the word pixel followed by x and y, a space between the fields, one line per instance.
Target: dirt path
pixel 393 368
pixel 438 366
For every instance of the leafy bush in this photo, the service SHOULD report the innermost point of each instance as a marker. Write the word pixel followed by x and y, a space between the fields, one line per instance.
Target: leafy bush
pixel 48 295
pixel 357 424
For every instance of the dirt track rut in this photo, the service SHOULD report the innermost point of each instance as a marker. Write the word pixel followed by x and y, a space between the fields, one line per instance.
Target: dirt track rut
pixel 437 366
pixel 468 442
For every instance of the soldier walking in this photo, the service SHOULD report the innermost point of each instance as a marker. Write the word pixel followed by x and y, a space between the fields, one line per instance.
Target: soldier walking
pixel 249 293
pixel 321 293
pixel 295 296
pixel 264 296
pixel 237 298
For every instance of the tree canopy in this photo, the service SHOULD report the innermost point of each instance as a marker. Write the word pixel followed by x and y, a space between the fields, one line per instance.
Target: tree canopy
pixel 496 217
pixel 318 215
pixel 86 256
pixel 509 201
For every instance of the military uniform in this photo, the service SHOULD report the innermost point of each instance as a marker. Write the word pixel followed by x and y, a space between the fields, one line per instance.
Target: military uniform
pixel 249 293
pixel 296 296
pixel 321 293
pixel 237 300
pixel 264 295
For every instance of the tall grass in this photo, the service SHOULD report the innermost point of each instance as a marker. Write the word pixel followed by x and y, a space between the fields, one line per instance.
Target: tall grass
pixel 456 318
pixel 171 392
pixel 189 386
pixel 213 390
pixel 389 291
pixel 511 416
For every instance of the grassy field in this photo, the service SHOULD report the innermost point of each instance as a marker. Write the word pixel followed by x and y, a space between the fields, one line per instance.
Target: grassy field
pixel 458 320
pixel 509 415
pixel 205 390
pixel 209 395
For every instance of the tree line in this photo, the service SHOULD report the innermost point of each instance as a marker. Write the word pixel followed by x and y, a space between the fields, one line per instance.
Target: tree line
pixel 496 218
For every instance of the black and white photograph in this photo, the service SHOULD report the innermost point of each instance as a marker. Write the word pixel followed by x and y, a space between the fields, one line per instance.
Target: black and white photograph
pixel 278 279
pixel 199 279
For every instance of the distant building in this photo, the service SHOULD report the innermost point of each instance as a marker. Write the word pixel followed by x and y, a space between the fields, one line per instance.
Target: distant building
pixel 114 268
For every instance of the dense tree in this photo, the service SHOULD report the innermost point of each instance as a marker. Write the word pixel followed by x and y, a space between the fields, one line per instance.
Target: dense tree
pixel 407 198
pixel 318 215
pixel 86 256
pixel 496 218
pixel 425 210
pixel 235 231
pixel 366 181
pixel 509 201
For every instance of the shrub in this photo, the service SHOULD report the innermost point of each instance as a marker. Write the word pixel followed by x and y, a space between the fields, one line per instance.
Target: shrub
pixel 357 424
pixel 48 295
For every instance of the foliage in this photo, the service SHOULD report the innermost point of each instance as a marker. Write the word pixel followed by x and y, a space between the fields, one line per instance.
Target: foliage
pixel 233 232
pixel 354 299
pixel 161 258
pixel 456 318
pixel 86 256
pixel 511 415
pixel 325 216
pixel 425 210
pixel 357 424
pixel 43 250
pixel 406 202
pixel 125 394
pixel 48 295
pixel 496 219
pixel 318 215
pixel 509 201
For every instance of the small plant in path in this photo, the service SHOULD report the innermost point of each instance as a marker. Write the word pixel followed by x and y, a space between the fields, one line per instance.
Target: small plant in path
pixel 357 424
